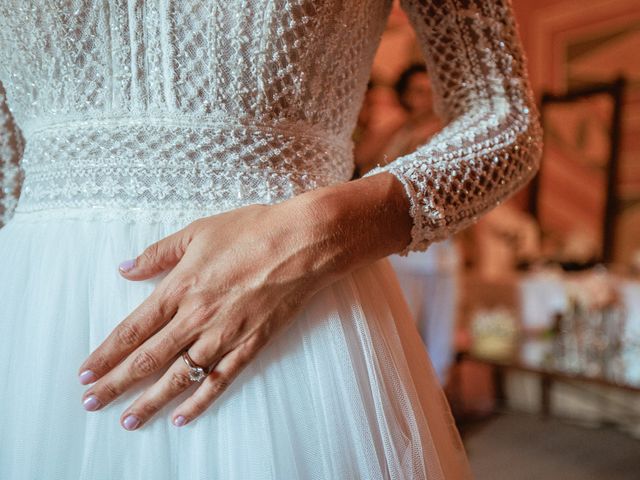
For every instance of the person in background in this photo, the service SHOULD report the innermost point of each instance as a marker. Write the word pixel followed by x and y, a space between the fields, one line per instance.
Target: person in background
pixel 379 119
pixel 413 90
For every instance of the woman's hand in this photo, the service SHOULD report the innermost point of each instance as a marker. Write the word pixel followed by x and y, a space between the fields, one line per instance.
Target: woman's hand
pixel 236 280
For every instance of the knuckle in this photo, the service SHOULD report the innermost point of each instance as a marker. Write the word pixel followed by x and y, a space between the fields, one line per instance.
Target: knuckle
pixel 100 364
pixel 180 327
pixel 179 245
pixel 194 226
pixel 163 310
pixel 220 384
pixel 201 311
pixel 203 305
pixel 174 292
pixel 215 345
pixel 247 352
pixel 150 253
pixel 179 381
pixel 188 280
pixel 257 341
pixel 128 334
pixel 148 409
pixel 172 341
pixel 144 363
pixel 230 334
pixel 110 390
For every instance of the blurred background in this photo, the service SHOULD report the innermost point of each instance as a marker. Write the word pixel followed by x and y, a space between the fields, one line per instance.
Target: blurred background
pixel 532 316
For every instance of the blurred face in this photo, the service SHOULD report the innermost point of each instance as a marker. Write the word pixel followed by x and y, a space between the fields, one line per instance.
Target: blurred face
pixel 378 102
pixel 418 96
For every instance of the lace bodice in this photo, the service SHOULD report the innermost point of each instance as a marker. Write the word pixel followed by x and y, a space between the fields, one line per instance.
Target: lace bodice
pixel 146 109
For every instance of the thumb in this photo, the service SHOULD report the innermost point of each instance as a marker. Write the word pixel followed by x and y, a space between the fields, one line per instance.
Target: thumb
pixel 156 258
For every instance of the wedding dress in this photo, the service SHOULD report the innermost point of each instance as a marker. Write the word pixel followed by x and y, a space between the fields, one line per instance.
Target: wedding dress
pixel 131 119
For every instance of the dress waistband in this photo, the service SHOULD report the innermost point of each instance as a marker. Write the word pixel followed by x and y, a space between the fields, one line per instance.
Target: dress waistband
pixel 146 170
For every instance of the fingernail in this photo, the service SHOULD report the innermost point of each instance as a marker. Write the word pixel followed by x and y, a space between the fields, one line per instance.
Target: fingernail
pixel 131 422
pixel 179 421
pixel 87 377
pixel 91 403
pixel 127 265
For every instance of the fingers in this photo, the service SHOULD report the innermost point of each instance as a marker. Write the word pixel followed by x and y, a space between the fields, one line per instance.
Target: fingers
pixel 144 361
pixel 149 316
pixel 143 322
pixel 157 257
pixel 175 381
pixel 214 384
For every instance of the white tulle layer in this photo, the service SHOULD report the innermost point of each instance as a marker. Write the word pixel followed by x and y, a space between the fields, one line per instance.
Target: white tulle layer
pixel 347 392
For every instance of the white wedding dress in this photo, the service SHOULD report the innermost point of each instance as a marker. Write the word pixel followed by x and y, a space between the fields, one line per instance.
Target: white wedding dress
pixel 127 119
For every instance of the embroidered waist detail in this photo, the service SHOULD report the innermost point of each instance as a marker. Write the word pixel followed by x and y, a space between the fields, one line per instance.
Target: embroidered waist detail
pixel 146 170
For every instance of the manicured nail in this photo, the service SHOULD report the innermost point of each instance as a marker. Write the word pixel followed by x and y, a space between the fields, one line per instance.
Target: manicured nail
pixel 131 422
pixel 179 421
pixel 127 265
pixel 87 377
pixel 91 403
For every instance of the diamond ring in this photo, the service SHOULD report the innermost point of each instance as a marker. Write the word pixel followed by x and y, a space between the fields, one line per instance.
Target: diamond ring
pixel 196 372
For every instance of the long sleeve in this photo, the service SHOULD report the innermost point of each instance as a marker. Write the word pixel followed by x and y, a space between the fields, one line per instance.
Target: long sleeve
pixel 492 141
pixel 11 148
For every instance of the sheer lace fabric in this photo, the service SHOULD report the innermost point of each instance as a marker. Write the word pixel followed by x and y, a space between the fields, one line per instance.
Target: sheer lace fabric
pixel 168 169
pixel 140 109
pixel 137 109
pixel 492 142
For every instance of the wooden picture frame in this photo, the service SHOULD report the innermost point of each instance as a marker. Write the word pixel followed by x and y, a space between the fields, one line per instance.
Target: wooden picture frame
pixel 568 158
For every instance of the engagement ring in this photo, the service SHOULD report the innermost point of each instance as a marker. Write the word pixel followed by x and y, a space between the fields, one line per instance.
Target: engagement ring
pixel 196 372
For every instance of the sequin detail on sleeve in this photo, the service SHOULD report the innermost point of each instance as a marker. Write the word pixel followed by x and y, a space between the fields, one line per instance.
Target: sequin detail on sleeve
pixel 492 142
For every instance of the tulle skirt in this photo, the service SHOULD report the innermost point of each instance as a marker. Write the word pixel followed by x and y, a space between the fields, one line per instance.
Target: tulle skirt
pixel 345 392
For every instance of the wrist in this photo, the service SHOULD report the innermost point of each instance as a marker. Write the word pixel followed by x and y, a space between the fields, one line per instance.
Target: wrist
pixel 356 222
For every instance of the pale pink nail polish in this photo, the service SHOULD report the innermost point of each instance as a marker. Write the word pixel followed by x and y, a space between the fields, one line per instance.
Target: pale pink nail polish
pixel 127 265
pixel 87 377
pixel 179 421
pixel 91 403
pixel 131 422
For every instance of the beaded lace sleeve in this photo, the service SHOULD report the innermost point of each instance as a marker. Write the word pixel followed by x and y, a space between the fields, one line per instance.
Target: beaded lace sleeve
pixel 11 148
pixel 491 144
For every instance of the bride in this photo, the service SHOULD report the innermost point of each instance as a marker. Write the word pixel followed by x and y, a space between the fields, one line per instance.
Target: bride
pixel 187 259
